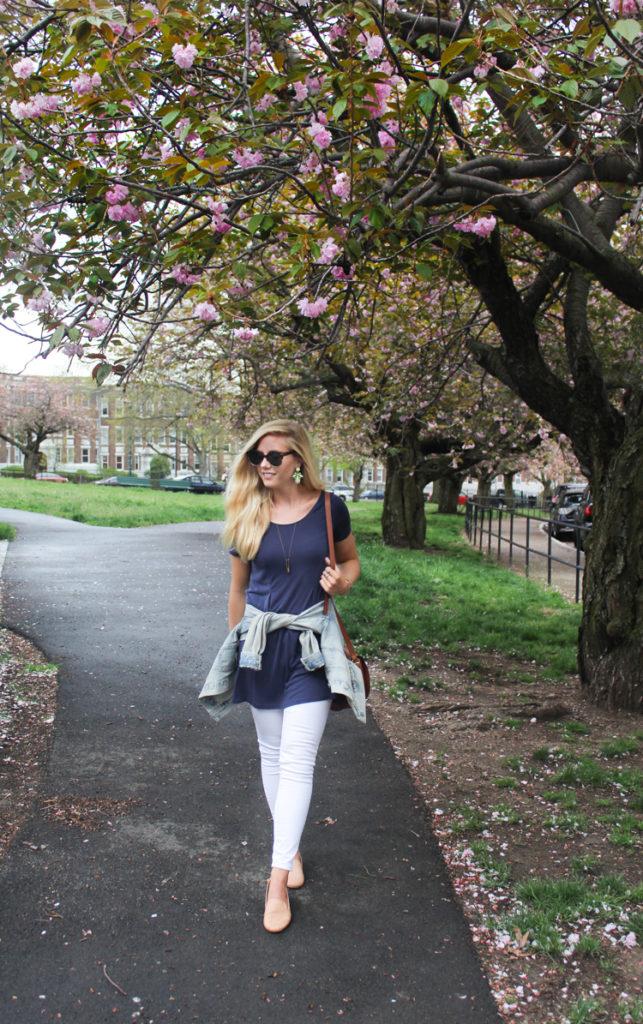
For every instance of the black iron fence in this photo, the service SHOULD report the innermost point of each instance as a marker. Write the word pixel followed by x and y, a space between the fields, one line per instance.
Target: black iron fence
pixel 518 534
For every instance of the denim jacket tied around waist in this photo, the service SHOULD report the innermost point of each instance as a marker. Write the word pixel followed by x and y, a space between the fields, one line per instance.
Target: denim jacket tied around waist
pixel 322 646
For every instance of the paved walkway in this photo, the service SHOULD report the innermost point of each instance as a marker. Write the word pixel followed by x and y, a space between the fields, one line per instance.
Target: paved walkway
pixel 562 574
pixel 156 916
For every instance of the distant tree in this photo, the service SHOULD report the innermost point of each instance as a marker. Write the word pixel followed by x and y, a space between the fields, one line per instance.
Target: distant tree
pixel 31 410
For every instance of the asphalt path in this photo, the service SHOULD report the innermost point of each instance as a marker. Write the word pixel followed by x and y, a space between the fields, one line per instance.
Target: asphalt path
pixel 156 915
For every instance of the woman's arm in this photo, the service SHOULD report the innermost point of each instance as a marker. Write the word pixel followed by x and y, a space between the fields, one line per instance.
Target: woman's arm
pixel 238 586
pixel 339 580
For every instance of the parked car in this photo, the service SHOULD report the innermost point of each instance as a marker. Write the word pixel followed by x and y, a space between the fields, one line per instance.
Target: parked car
pixel 53 477
pixel 372 494
pixel 583 519
pixel 107 481
pixel 563 489
pixel 342 491
pixel 198 484
pixel 562 518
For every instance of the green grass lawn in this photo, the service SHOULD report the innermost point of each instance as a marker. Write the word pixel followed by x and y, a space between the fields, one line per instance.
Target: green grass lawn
pixel 109 506
pixel 447 595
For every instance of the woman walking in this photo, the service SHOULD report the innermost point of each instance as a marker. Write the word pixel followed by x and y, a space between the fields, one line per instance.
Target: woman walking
pixel 284 655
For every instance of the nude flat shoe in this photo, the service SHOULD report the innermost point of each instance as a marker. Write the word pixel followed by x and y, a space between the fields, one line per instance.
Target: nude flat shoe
pixel 276 915
pixel 296 877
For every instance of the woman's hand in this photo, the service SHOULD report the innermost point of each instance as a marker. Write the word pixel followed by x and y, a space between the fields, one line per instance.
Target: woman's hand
pixel 333 582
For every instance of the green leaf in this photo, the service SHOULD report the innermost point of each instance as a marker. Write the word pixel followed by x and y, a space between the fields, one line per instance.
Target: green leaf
pixel 102 373
pixel 57 336
pixel 255 223
pixel 439 86
pixel 570 88
pixel 453 51
pixel 425 270
pixel 377 216
pixel 339 108
pixel 82 31
pixel 168 119
pixel 426 101
pixel 628 28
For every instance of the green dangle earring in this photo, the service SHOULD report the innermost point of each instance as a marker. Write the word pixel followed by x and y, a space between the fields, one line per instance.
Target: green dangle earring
pixel 298 476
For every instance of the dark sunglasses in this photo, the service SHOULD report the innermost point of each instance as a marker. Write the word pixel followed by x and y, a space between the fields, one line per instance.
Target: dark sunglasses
pixel 256 457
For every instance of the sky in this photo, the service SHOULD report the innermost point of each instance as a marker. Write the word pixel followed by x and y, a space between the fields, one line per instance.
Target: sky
pixel 18 355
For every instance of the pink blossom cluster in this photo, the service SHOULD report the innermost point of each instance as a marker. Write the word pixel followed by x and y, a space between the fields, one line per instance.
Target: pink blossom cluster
pixel 329 251
pixel 206 311
pixel 311 164
pixel 373 45
pixel 626 7
pixel 117 209
pixel 181 273
pixel 73 348
pixel 312 309
pixel 24 68
pixel 339 274
pixel 301 91
pixel 265 102
pixel 337 31
pixel 219 211
pixel 40 303
pixel 117 194
pixel 86 84
pixel 35 107
pixel 315 84
pixel 386 136
pixel 485 66
pixel 377 104
pixel 245 158
pixel 184 55
pixel 319 132
pixel 246 333
pixel 482 226
pixel 342 185
pixel 97 325
pixel 127 212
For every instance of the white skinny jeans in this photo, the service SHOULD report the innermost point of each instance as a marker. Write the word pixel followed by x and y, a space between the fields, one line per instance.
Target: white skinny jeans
pixel 288 743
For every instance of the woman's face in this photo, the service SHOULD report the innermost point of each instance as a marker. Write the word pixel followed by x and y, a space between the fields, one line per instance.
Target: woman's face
pixel 276 476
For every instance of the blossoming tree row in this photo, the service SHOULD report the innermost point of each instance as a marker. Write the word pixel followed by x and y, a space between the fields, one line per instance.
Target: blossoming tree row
pixel 152 155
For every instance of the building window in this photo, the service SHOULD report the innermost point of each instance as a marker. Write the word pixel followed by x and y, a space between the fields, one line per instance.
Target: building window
pixel 119 461
pixel 105 462
pixel 369 476
pixel 84 454
pixel 380 474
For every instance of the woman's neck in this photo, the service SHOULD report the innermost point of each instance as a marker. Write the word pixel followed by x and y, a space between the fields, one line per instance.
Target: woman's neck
pixel 290 502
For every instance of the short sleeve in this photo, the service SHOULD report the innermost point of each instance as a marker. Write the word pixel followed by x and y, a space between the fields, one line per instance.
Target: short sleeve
pixel 341 519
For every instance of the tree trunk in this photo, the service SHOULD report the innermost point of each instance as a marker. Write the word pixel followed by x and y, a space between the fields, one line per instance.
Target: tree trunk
pixel 610 655
pixel 31 457
pixel 403 518
pixel 510 497
pixel 445 492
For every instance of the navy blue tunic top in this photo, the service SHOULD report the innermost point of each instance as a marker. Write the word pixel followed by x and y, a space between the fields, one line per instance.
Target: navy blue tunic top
pixel 282 680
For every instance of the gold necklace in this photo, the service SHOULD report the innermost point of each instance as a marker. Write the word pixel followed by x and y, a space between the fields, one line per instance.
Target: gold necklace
pixel 292 537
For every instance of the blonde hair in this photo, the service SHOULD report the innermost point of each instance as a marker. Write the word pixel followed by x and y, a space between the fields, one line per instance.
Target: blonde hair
pixel 248 501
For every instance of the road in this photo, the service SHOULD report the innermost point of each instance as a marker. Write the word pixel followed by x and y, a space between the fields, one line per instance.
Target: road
pixel 156 914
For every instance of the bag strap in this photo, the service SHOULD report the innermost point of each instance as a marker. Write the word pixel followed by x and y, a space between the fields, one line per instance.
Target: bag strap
pixel 331 552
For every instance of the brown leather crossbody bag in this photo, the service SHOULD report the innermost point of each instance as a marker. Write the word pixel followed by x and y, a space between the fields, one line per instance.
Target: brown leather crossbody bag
pixel 339 702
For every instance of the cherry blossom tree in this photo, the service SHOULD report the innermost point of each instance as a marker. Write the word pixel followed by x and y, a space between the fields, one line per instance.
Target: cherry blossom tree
pixel 152 155
pixel 33 409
